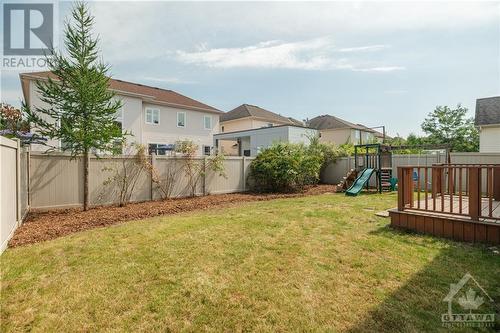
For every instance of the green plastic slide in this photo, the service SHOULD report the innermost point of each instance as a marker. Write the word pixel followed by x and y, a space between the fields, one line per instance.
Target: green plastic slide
pixel 360 182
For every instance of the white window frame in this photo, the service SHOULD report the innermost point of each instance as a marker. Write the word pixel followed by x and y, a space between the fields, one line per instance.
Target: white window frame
pixel 153 111
pixel 205 122
pixel 185 119
pixel 209 150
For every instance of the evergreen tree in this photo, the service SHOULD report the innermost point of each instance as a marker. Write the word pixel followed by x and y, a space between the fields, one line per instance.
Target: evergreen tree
pixel 81 110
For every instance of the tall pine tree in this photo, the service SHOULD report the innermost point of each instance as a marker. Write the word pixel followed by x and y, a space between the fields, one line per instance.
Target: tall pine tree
pixel 81 110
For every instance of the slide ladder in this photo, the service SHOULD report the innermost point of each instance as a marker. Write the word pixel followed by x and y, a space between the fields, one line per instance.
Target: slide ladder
pixel 360 182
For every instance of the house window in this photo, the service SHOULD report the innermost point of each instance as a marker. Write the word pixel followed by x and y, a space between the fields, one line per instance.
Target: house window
pixel 207 150
pixel 153 116
pixel 118 143
pixel 207 122
pixel 357 135
pixel 181 119
pixel 160 149
pixel 222 129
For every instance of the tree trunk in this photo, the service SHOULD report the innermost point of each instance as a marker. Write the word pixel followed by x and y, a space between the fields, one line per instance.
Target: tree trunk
pixel 86 180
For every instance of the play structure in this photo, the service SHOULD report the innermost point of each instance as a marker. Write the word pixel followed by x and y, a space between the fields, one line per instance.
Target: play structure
pixel 371 160
pixel 375 159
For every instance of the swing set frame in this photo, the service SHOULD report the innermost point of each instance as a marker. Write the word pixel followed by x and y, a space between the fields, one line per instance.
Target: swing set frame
pixel 378 156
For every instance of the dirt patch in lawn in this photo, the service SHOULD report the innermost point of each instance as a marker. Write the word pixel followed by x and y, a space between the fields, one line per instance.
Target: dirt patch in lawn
pixel 42 226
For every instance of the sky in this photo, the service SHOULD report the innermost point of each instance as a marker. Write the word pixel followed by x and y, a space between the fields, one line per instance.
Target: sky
pixel 375 63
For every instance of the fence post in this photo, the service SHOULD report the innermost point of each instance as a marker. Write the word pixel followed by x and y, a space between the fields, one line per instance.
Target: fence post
pixel 204 175
pixel 18 181
pixel 243 173
pixel 153 166
pixel 474 192
pixel 28 176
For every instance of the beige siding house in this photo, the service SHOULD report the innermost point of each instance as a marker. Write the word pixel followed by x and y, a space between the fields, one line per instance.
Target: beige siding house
pixel 247 117
pixel 487 121
pixel 156 117
pixel 339 131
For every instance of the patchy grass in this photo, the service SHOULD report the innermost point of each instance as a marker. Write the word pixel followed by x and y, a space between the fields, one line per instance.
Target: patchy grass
pixel 304 264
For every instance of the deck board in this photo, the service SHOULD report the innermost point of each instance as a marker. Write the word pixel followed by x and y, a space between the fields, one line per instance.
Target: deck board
pixel 452 207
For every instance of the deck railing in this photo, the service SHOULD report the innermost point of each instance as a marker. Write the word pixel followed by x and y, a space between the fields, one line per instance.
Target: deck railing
pixel 471 190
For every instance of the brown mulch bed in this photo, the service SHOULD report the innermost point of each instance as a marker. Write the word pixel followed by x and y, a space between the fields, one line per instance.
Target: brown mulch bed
pixel 42 226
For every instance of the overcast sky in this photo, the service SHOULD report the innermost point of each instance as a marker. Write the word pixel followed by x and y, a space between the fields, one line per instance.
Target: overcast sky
pixel 372 63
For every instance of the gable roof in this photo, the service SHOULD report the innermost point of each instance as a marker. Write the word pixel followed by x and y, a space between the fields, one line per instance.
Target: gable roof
pixel 248 110
pixel 327 121
pixel 296 121
pixel 150 94
pixel 487 111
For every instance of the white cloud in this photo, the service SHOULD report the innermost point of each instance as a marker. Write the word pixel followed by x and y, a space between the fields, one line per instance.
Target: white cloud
pixel 308 54
pixel 380 69
pixel 165 26
pixel 314 54
pixel 364 48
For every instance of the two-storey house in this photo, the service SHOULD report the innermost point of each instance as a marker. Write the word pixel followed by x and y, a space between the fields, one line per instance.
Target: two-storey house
pixel 155 117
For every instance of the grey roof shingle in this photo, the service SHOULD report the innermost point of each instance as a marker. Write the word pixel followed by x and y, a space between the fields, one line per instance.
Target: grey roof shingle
pixel 487 111
pixel 247 110
pixel 330 122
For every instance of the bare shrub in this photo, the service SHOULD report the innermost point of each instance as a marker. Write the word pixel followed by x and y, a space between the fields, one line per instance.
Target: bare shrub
pixel 193 169
pixel 125 176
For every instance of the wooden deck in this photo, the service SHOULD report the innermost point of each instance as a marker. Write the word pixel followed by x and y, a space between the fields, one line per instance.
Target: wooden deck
pixel 443 209
pixel 445 206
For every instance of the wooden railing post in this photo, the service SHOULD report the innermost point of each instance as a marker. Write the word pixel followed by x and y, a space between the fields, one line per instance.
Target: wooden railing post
pixel 405 187
pixel 437 181
pixel 401 189
pixel 409 187
pixel 474 192
pixel 496 183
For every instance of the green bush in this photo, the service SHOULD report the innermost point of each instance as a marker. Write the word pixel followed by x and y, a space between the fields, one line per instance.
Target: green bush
pixel 286 167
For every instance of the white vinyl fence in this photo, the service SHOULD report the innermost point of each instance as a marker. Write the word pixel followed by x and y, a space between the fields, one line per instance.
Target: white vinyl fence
pixel 13 188
pixel 56 180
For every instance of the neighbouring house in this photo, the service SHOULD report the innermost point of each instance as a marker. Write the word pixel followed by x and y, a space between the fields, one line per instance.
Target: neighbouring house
pixel 487 121
pixel 156 117
pixel 251 141
pixel 335 130
pixel 246 117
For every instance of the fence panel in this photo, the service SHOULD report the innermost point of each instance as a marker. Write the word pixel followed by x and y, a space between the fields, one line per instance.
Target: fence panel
pixel 107 176
pixel 55 181
pixel 14 203
pixel 334 172
pixel 174 178
pixel 234 180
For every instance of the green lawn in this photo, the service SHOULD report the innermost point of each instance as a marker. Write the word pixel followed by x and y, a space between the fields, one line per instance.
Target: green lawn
pixel 305 264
